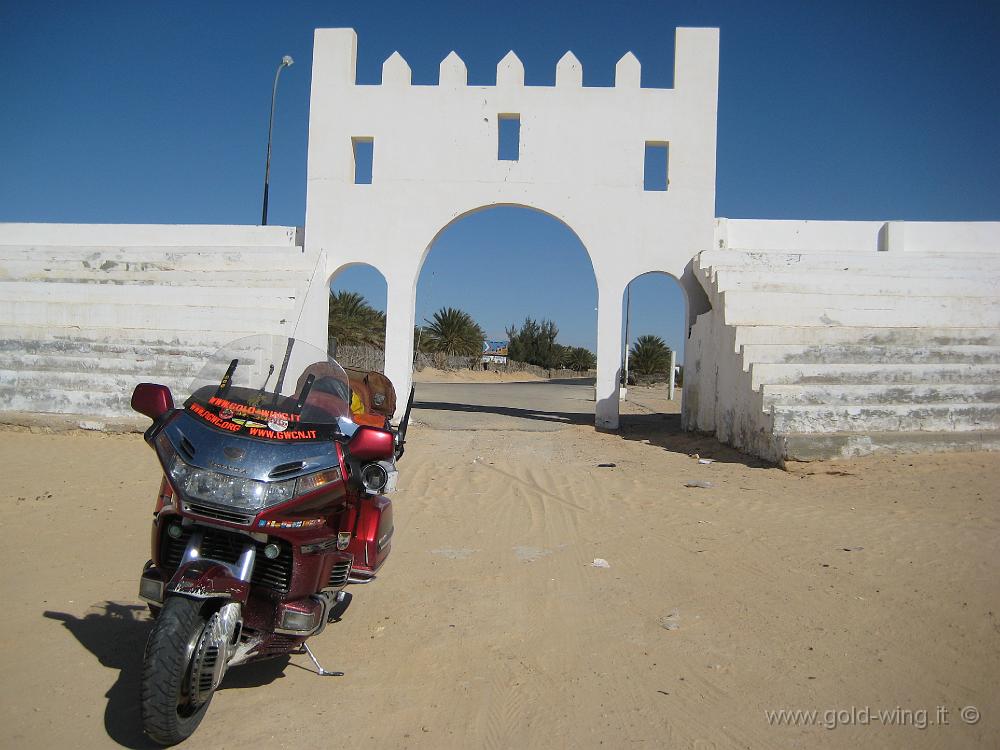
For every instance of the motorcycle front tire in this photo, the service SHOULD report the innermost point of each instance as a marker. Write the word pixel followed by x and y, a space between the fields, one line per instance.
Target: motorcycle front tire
pixel 168 717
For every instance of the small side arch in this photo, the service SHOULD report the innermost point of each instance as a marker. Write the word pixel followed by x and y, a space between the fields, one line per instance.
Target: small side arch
pixel 356 320
pixel 655 308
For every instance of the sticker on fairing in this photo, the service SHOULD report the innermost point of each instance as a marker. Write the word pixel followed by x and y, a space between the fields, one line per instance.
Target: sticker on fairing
pixel 248 422
pixel 306 524
pixel 253 410
pixel 260 423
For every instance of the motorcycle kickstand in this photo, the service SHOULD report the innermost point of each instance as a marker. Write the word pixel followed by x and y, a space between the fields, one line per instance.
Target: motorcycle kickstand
pixel 319 669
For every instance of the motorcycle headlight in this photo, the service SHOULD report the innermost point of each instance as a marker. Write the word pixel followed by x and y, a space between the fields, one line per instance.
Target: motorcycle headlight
pixel 202 484
pixel 247 494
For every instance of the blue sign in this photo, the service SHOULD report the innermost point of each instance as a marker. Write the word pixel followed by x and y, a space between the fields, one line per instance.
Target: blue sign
pixel 495 348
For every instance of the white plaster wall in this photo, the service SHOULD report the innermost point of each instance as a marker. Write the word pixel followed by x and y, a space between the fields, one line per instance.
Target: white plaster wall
pixel 146 235
pixel 931 237
pixel 950 237
pixel 797 236
pixel 581 161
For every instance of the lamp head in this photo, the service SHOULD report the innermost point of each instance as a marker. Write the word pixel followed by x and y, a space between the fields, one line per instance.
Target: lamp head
pixel 287 61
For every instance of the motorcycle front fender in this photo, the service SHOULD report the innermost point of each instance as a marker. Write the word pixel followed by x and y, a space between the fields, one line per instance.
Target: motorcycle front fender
pixel 208 579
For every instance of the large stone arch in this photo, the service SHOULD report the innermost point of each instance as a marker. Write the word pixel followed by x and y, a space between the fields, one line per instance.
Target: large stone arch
pixel 399 350
pixel 581 152
pixel 469 212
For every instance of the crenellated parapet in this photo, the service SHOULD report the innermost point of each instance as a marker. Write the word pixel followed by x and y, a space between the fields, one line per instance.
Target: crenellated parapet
pixel 336 57
pixel 510 71
pixel 568 132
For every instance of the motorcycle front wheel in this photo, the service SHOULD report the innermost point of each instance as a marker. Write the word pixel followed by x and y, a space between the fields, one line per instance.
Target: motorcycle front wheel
pixel 168 714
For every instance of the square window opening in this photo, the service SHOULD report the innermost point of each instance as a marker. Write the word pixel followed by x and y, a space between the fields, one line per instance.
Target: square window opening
pixel 509 137
pixel 656 172
pixel 364 152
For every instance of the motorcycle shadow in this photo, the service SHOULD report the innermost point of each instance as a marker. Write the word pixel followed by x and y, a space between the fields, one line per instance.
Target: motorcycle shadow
pixel 116 634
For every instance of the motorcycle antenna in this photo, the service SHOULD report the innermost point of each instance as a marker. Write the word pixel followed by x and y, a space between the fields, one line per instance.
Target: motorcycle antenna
pixel 305 393
pixel 227 378
pixel 270 372
pixel 403 424
pixel 284 369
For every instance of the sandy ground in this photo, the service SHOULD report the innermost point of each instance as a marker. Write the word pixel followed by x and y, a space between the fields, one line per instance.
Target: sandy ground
pixel 864 585
pixel 433 375
pixel 651 399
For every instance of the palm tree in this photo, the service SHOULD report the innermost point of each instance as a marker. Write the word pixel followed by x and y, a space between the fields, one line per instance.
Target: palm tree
pixel 578 358
pixel 353 321
pixel 649 355
pixel 453 332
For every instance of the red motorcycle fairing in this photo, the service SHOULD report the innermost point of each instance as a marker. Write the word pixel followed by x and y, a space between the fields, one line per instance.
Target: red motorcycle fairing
pixel 373 528
pixel 207 579
pixel 309 559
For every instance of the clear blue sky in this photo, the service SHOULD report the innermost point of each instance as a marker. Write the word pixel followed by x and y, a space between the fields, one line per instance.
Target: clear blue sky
pixel 157 112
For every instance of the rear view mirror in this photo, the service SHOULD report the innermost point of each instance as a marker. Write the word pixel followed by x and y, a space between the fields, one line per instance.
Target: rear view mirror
pixel 152 400
pixel 371 444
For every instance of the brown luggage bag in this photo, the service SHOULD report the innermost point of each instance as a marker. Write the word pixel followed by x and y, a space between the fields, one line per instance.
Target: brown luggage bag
pixel 375 391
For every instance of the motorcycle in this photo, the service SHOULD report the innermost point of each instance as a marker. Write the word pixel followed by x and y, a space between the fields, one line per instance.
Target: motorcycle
pixel 272 501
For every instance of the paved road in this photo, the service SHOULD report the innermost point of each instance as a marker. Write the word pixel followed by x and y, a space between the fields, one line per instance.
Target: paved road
pixel 541 406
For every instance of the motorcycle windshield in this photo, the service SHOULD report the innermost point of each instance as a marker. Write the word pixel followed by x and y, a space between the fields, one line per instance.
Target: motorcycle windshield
pixel 272 388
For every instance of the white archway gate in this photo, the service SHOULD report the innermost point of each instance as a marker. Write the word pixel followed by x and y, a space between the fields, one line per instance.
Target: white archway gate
pixel 580 159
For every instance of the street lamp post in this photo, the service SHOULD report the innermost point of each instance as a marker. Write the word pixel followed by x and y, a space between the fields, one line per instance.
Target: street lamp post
pixel 286 62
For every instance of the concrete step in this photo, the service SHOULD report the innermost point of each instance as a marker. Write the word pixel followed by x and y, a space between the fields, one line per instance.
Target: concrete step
pixel 818 447
pixel 878 271
pixel 271 298
pixel 867 336
pixel 128 235
pixel 860 374
pixel 77 393
pixel 72 347
pixel 858 395
pixel 887 418
pixel 866 354
pixel 42 338
pixel 753 308
pixel 120 316
pixel 163 258
pixel 84 382
pixel 143 365
pixel 846 282
pixel 74 272
pixel 40 401
pixel 902 263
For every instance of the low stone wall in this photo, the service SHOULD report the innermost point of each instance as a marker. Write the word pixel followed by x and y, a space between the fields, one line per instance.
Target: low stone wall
pixel 372 358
